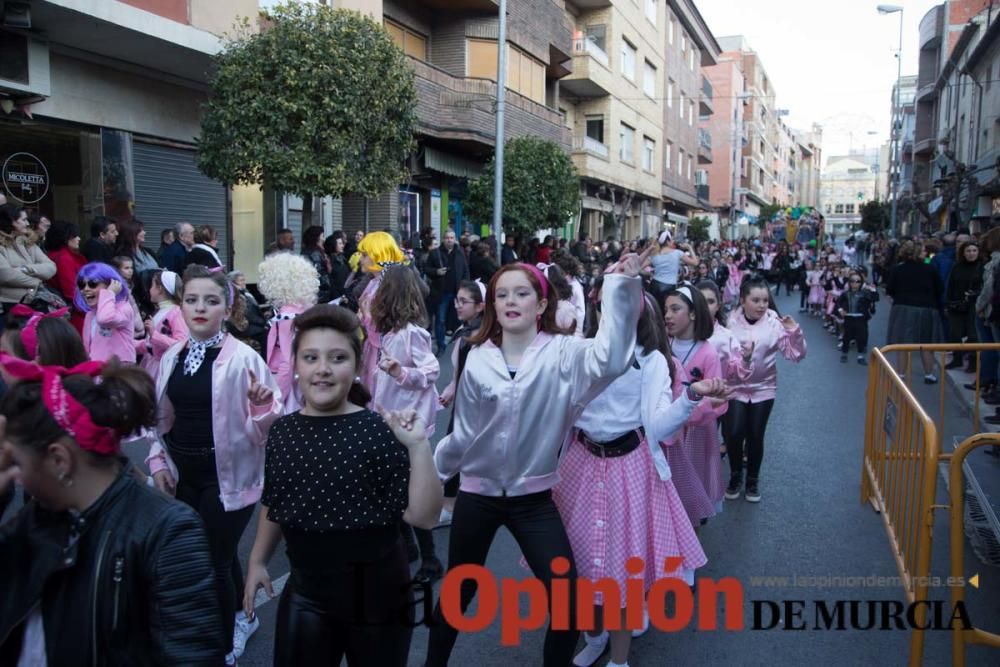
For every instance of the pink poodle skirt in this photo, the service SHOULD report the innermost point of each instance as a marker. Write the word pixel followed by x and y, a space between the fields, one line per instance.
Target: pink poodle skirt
pixel 817 295
pixel 697 503
pixel 701 443
pixel 618 508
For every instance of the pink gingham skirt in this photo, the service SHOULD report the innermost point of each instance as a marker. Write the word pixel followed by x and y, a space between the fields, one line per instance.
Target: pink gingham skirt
pixel 701 443
pixel 690 488
pixel 618 508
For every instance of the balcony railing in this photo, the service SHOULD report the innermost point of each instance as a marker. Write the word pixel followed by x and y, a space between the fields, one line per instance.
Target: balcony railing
pixel 590 145
pixel 587 46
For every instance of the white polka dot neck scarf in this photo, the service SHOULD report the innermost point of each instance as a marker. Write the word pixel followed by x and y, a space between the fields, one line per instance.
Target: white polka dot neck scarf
pixel 196 352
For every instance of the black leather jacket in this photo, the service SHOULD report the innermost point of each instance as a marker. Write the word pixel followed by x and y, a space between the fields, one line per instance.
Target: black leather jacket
pixel 127 582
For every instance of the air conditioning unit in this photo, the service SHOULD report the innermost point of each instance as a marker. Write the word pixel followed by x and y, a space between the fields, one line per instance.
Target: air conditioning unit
pixel 24 65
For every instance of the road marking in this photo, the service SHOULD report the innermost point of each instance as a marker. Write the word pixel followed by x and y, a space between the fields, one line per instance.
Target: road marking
pixel 278 585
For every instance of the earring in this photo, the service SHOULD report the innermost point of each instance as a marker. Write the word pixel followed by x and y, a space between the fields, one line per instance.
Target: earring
pixel 64 480
pixel 296 377
pixel 357 379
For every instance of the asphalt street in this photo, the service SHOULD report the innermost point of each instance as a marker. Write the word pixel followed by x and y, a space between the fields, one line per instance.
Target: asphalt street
pixel 810 525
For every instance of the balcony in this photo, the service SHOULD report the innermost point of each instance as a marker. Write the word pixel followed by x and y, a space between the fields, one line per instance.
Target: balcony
pixel 590 145
pixel 592 76
pixel 932 28
pixel 460 110
pixel 461 5
pixel 705 104
pixel 704 146
pixel 924 146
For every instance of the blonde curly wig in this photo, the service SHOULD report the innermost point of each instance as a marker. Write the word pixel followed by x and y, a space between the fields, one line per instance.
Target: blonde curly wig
pixel 288 280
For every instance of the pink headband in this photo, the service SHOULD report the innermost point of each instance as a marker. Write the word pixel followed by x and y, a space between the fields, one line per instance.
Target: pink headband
pixel 29 334
pixel 68 413
pixel 541 278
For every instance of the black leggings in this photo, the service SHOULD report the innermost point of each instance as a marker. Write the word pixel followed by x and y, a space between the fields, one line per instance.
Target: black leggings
pixel 318 623
pixel 856 329
pixel 747 422
pixel 535 523
pixel 198 486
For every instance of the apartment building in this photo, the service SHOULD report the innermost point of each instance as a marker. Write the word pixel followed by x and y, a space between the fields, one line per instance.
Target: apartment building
pixel 848 182
pixel 100 104
pixel 903 126
pixel 955 144
pixel 720 179
pixel 757 180
pixel 688 46
pixel 613 101
pixel 453 49
pixel 810 148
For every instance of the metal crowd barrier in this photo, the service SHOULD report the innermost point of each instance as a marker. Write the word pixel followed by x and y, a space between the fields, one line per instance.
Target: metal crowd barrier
pixel 902 452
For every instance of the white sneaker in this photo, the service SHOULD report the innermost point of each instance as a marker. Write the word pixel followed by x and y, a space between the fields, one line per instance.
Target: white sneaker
pixel 645 625
pixel 593 649
pixel 230 660
pixel 241 633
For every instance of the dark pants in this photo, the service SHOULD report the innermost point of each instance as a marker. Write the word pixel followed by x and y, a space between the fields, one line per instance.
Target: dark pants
pixel 747 424
pixel 989 359
pixel 660 291
pixel 856 329
pixel 962 325
pixel 424 540
pixel 198 487
pixel 445 310
pixel 535 523
pixel 320 623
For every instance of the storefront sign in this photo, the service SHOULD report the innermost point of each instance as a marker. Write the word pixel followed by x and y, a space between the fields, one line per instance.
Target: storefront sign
pixel 435 209
pixel 25 178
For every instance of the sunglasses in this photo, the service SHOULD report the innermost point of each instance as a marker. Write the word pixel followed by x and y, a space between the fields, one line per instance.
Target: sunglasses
pixel 92 284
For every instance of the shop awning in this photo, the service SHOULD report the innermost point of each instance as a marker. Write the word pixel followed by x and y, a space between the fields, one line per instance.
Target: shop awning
pixel 676 218
pixel 452 165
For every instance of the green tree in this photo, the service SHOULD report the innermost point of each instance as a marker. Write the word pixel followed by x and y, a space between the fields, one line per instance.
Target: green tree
pixel 697 229
pixel 768 210
pixel 319 102
pixel 874 216
pixel 541 188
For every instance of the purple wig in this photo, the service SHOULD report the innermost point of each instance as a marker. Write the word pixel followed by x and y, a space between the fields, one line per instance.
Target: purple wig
pixel 100 272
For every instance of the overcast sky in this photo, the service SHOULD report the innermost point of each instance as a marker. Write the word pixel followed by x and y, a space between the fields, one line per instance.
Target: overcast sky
pixel 832 63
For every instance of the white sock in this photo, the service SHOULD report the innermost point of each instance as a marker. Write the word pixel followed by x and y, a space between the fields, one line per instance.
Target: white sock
pixel 592 650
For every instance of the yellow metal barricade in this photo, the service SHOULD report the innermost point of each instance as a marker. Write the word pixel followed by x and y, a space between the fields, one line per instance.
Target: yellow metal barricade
pixel 899 478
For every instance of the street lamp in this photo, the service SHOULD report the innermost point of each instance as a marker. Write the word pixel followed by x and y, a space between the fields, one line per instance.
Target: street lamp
pixel 895 166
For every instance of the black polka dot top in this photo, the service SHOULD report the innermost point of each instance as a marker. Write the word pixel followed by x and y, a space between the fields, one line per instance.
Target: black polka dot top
pixel 346 472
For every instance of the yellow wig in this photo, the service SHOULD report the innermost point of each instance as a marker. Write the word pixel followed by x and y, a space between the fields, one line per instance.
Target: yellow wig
pixel 380 248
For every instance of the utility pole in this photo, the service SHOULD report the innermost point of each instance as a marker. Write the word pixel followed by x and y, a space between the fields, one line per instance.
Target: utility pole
pixel 501 104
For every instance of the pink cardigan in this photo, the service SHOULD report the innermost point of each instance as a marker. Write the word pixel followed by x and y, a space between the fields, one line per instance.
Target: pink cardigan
pixel 107 329
pixel 769 337
pixel 238 428
pixel 730 355
pixel 706 359
pixel 414 389
pixel 169 328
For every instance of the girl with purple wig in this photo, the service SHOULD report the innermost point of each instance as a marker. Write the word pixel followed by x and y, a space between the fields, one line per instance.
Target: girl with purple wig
pixel 107 327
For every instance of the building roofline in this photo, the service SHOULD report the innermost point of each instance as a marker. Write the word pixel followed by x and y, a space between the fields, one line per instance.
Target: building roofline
pixel 984 45
pixel 698 28
pixel 968 32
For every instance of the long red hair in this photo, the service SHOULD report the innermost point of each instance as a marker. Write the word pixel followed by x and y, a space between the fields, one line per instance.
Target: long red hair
pixel 490 328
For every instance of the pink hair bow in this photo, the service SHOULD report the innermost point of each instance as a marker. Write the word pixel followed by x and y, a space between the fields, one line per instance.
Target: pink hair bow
pixel 29 333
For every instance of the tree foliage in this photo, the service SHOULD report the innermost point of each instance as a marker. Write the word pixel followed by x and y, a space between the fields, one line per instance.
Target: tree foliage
pixel 768 211
pixel 541 188
pixel 874 216
pixel 697 229
pixel 319 102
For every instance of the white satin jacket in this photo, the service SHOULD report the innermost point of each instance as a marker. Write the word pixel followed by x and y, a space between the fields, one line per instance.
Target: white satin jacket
pixel 508 433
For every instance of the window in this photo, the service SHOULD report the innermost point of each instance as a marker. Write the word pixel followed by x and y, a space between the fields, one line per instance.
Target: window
pixel 684 42
pixel 690 112
pixel 649 78
pixel 839 208
pixel 689 166
pixel 595 128
pixel 627 137
pixel 648 151
pixel 682 105
pixel 413 44
pixel 670 31
pixel 651 10
pixel 829 209
pixel 670 92
pixel 680 161
pixel 849 208
pixel 691 57
pixel 628 60
pixel 597 34
pixel 525 75
pixel 666 154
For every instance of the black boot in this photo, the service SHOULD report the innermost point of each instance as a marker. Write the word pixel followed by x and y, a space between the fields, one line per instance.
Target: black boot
pixel 957 360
